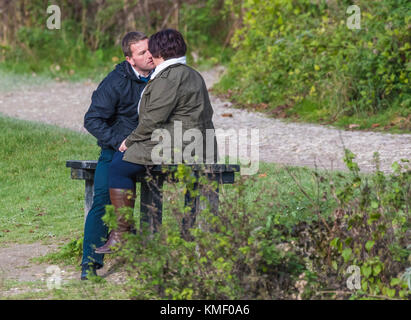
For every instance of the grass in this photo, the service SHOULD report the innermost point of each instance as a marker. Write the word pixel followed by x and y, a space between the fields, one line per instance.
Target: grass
pixel 393 120
pixel 69 290
pixel 396 119
pixel 39 201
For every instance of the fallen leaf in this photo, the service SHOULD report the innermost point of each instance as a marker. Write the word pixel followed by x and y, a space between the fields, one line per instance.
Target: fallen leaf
pixel 227 115
pixel 262 175
pixel 353 126
pixel 281 111
pixel 398 120
pixel 375 125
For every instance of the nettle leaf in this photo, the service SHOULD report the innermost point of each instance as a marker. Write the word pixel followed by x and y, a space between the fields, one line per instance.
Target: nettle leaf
pixel 366 271
pixel 334 242
pixel 346 254
pixel 369 245
pixel 373 218
pixel 364 285
pixel 391 293
pixel 348 241
pixel 377 269
pixel 395 281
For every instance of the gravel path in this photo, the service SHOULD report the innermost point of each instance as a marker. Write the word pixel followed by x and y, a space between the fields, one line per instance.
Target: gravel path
pixel 64 104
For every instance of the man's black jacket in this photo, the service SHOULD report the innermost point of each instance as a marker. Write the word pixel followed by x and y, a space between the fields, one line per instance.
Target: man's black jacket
pixel 112 115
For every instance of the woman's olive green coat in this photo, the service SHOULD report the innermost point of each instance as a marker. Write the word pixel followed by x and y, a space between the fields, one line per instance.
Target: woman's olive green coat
pixel 176 98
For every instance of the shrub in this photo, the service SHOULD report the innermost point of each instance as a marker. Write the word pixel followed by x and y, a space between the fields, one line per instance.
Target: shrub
pixel 246 252
pixel 230 256
pixel 301 53
pixel 368 230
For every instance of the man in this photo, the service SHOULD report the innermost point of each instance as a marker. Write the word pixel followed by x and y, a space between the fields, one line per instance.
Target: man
pixel 112 116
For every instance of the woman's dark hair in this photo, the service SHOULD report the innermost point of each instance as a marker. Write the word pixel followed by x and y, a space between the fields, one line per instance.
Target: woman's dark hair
pixel 168 43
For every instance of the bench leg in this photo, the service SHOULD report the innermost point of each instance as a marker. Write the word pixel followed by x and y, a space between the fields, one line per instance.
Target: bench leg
pixel 151 205
pixel 212 200
pixel 189 219
pixel 197 205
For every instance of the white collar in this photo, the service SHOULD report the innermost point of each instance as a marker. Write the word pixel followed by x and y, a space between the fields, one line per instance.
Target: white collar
pixel 136 72
pixel 139 75
pixel 166 64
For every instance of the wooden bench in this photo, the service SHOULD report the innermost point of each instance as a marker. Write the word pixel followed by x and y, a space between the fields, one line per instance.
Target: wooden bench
pixel 151 192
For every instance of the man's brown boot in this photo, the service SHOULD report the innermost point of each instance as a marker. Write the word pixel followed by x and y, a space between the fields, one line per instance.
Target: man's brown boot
pixel 120 198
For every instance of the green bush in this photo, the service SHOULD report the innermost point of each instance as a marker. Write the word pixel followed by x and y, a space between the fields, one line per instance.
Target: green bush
pixel 248 251
pixel 301 54
pixel 231 255
pixel 58 53
pixel 368 230
pixel 205 27
pixel 88 42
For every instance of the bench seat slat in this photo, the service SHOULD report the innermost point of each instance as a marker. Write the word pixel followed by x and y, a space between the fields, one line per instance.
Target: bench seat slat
pixel 208 168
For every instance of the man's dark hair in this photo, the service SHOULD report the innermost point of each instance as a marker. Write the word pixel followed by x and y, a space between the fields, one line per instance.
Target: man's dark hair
pixel 168 43
pixel 129 39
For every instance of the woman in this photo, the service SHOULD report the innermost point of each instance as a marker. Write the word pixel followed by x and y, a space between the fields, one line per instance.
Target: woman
pixel 174 101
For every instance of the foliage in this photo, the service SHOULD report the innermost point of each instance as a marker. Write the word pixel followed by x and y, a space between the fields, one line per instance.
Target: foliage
pixel 244 252
pixel 90 35
pixel 69 253
pixel 369 229
pixel 228 256
pixel 300 56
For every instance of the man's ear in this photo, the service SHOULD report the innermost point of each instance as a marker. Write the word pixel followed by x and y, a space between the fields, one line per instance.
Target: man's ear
pixel 128 59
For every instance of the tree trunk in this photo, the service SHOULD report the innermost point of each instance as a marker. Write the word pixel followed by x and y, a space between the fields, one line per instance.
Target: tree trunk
pixel 147 13
pixel 83 21
pixel 5 22
pixel 176 14
pixel 130 19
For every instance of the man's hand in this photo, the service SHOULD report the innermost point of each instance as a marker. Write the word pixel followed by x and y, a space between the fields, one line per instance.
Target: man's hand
pixel 123 146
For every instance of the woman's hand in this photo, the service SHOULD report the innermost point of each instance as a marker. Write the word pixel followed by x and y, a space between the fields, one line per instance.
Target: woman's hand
pixel 123 146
